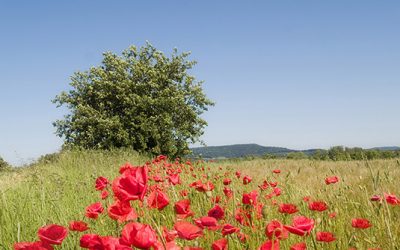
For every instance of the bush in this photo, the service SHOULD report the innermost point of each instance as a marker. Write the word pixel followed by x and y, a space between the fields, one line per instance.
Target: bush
pixel 3 164
pixel 142 100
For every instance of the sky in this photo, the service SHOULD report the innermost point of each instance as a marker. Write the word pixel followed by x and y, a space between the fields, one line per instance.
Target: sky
pixel 296 74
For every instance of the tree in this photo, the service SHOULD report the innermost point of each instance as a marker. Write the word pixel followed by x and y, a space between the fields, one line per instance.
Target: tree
pixel 141 99
pixel 3 165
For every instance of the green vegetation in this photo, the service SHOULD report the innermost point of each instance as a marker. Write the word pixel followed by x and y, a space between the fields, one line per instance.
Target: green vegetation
pixel 58 189
pixel 337 153
pixel 3 164
pixel 142 100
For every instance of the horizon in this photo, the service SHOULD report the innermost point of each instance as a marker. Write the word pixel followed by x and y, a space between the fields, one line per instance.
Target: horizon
pixel 288 74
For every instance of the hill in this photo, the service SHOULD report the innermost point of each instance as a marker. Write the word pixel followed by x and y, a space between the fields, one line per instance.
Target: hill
pixel 238 150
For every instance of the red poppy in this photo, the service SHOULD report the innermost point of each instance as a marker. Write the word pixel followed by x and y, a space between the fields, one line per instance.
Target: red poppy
pixel 121 211
pixel 91 241
pixel 301 225
pixel 360 223
pixel 132 185
pixel 217 212
pixel 227 181
pixel 270 245
pixel 287 208
pixel 79 226
pixel 250 198
pixel 38 245
pixel 139 235
pixel 264 185
pixel 187 230
pixel 276 171
pixel 182 209
pixel 229 229
pixel 101 183
pixel 174 179
pixel 318 206
pixel 325 237
pixel 331 180
pixel 157 199
pixel 299 246
pixel 207 222
pixel 276 230
pixel 52 234
pixel 238 174
pixel 246 179
pixel 93 210
pixel 228 192
pixel 221 244
pixel 391 199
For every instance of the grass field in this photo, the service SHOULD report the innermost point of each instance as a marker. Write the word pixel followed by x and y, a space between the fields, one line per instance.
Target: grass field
pixel 59 191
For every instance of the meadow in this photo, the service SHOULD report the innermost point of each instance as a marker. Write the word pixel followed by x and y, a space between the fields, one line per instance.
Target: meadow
pixel 252 203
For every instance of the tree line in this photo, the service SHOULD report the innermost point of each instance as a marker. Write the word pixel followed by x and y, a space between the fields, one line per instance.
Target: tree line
pixel 340 153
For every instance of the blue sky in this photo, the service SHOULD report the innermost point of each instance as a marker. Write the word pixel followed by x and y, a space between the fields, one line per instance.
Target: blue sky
pixel 298 74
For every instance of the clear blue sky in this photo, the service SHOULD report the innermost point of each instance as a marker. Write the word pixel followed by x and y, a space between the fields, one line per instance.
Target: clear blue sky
pixel 299 74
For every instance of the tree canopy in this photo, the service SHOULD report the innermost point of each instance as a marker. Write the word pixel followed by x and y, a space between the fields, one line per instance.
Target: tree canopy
pixel 141 99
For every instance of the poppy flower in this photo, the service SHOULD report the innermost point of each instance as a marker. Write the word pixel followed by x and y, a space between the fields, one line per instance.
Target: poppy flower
pixel 229 229
pixel 139 235
pixel 207 222
pixel 270 245
pixel 228 192
pixel 158 199
pixel 299 246
pixel 52 234
pixel 217 212
pixel 276 171
pixel 243 217
pixel 246 179
pixel 174 179
pixel 264 185
pixel 221 244
pixel 132 185
pixel 301 225
pixel 276 230
pixel 250 198
pixel 318 206
pixel 182 209
pixel 78 226
pixel 38 245
pixel 331 180
pixel 104 194
pixel 121 211
pixel 187 230
pixel 112 243
pixel 91 241
pixel 360 223
pixel 93 210
pixel 101 183
pixel 287 208
pixel 325 237
pixel 227 181
pixel 375 198
pixel 391 199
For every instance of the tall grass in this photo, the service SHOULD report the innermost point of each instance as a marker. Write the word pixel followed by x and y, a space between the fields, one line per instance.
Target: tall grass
pixel 58 192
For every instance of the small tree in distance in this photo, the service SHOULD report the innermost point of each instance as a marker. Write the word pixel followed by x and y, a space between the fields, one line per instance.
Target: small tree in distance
pixel 142 100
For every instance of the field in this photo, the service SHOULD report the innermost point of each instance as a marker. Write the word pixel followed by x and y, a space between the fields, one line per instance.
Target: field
pixel 58 192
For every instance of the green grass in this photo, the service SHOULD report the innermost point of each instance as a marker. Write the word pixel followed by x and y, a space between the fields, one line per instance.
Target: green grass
pixel 59 191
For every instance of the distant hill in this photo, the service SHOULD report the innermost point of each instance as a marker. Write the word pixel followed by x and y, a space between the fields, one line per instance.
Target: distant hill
pixel 238 150
pixel 391 148
pixel 242 150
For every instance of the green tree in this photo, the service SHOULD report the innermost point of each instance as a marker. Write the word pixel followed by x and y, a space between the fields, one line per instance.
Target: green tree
pixel 141 99
pixel 3 164
pixel 296 155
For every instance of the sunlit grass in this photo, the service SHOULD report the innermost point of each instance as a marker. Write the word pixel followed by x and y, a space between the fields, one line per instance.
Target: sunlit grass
pixel 58 192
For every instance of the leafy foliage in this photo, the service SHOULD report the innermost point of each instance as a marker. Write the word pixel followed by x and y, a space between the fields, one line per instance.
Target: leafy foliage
pixel 142 100
pixel 3 164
